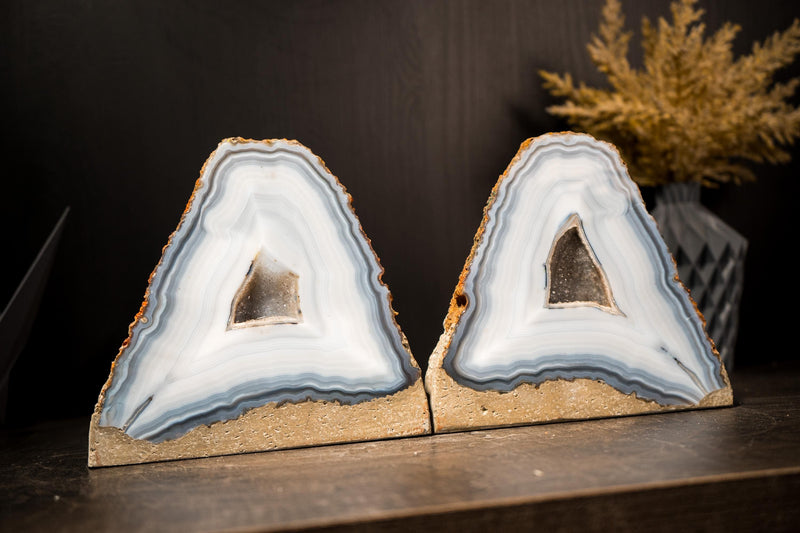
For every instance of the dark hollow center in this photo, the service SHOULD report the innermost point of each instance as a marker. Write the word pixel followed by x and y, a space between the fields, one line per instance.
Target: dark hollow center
pixel 268 295
pixel 574 275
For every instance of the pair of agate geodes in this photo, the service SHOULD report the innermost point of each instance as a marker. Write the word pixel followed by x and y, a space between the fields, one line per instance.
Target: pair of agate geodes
pixel 266 324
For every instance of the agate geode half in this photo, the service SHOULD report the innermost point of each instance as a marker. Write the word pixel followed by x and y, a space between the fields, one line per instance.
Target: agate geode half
pixel 265 324
pixel 569 305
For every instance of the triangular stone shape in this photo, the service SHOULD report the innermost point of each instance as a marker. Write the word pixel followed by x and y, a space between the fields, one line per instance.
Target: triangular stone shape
pixel 574 276
pixel 630 340
pixel 265 325
pixel 268 295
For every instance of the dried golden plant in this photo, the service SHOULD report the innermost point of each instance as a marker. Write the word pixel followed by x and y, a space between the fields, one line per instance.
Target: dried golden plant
pixel 693 112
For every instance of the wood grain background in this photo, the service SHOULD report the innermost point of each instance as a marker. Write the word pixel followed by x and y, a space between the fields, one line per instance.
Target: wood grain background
pixel 112 108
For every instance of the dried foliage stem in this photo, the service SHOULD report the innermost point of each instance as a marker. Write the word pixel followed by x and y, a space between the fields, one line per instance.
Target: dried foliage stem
pixel 693 112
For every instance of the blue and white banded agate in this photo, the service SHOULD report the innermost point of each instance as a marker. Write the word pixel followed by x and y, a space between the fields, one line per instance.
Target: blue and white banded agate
pixel 502 332
pixel 188 363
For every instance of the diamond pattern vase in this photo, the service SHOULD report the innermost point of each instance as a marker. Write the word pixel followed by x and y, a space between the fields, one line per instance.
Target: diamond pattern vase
pixel 710 257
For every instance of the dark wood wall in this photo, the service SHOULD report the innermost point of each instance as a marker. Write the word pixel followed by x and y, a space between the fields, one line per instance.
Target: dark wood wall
pixel 111 107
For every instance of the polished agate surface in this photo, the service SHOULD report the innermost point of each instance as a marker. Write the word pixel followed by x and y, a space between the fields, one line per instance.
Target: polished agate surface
pixel 268 291
pixel 571 279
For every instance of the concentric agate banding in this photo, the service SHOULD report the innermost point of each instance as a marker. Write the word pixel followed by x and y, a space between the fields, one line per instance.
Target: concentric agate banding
pixel 183 366
pixel 504 333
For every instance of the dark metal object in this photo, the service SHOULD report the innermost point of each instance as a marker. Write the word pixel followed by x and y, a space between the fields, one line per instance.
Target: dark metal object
pixel 18 316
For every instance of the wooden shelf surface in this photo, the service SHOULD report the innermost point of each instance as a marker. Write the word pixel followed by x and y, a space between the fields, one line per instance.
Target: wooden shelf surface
pixel 734 468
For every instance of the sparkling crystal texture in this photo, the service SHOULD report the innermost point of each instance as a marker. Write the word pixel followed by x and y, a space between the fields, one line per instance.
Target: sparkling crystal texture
pixel 574 276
